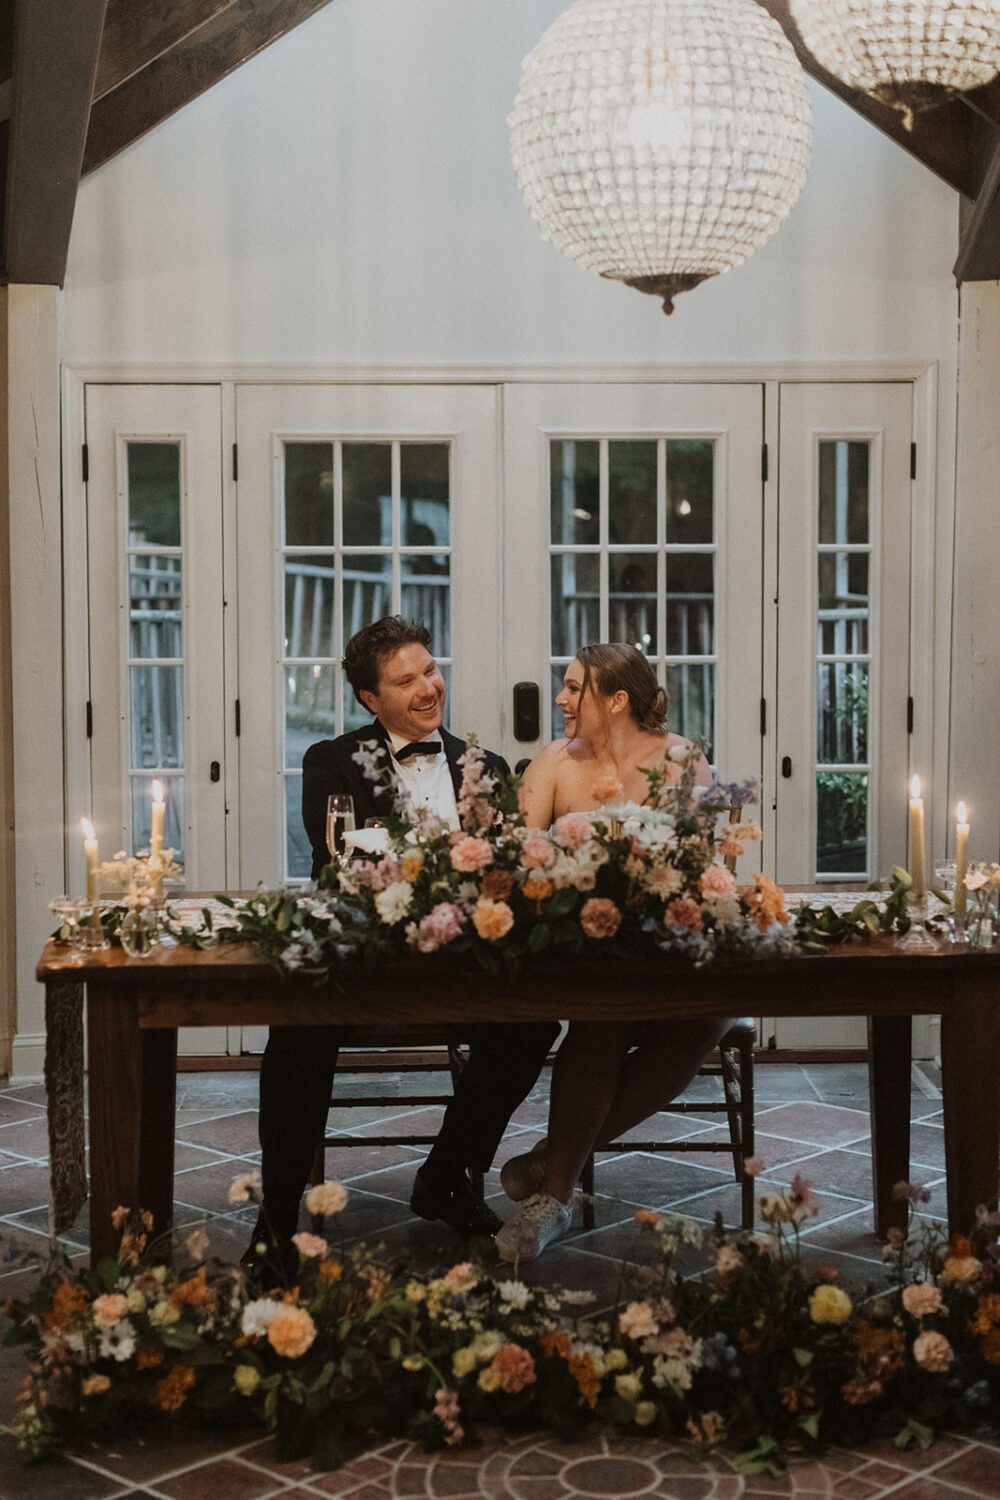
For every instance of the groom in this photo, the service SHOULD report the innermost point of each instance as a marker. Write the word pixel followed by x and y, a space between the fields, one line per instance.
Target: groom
pixel 395 677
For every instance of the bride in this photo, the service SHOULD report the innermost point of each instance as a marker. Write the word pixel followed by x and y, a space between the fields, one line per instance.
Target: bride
pixel 608 1075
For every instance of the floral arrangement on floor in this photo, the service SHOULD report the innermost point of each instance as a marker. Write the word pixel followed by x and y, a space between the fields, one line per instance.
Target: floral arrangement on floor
pixel 757 1351
pixel 626 879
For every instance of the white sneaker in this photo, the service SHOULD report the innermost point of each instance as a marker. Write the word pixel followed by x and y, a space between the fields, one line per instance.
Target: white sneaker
pixel 538 1222
pixel 522 1176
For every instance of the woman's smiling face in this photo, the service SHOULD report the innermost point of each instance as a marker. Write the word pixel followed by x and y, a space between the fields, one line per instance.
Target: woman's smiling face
pixel 580 708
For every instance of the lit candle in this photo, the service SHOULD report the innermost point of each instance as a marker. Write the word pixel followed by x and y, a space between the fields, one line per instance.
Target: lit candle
pixel 90 850
pixel 156 828
pixel 961 858
pixel 916 837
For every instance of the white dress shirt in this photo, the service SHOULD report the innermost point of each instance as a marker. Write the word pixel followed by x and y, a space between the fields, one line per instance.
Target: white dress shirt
pixel 427 778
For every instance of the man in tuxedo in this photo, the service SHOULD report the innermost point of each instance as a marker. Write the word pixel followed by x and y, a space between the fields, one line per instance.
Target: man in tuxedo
pixel 395 677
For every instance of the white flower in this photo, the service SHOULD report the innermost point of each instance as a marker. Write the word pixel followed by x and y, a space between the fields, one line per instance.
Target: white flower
pixel 257 1315
pixel 118 1342
pixel 393 903
pixel 514 1293
pixel 326 1198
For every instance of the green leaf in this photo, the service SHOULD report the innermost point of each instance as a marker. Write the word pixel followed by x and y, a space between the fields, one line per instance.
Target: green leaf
pixel 803 1357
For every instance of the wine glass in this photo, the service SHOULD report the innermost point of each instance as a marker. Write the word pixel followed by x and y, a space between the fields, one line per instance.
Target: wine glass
pixel 339 820
pixel 70 914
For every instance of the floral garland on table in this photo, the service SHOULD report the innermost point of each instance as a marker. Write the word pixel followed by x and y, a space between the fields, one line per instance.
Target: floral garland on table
pixel 623 880
pixel 759 1352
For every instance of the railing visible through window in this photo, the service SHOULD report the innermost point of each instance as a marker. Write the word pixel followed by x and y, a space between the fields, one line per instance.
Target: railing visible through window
pixel 366 533
pixel 843 658
pixel 155 646
pixel 633 554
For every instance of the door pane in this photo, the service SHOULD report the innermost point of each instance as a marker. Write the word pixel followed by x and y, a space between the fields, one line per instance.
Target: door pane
pixel 691 689
pixel 843 647
pixel 632 596
pixel 690 490
pixel 155 644
pixel 575 488
pixel 690 603
pixel 576 602
pixel 367 529
pixel 632 492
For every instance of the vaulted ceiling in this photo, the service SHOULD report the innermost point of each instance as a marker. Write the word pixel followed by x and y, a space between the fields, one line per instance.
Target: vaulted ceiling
pixel 82 79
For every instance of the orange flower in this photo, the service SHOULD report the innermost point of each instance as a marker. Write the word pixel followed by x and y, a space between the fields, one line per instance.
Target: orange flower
pixel 600 918
pixel 331 1271
pixel 798 1396
pixel 683 913
pixel 581 1367
pixel 171 1391
pixel 989 1347
pixel 148 1358
pixel 68 1304
pixel 536 888
pixel 511 1369
pixel 291 1333
pixel 194 1292
pixel 765 901
pixel 492 919
pixel 554 1342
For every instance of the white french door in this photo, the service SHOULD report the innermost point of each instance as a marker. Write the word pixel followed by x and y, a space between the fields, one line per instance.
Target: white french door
pixel 154 550
pixel 841 737
pixel 356 502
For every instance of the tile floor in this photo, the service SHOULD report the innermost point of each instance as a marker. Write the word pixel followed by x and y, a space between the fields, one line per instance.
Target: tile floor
pixel 811 1119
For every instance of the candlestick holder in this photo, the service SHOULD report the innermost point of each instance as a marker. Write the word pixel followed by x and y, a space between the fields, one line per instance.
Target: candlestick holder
pixel 917 939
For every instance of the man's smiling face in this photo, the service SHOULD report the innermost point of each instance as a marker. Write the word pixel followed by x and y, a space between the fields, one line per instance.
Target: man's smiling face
pixel 411 693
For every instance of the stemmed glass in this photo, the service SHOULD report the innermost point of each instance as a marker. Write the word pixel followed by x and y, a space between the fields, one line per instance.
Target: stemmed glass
pixel 71 913
pixel 339 820
pixel 944 881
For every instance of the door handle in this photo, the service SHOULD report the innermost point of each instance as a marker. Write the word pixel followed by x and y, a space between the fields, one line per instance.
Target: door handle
pixel 215 771
pixel 786 766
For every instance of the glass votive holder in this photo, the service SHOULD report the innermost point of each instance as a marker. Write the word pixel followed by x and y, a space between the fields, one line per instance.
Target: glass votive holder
pixel 139 932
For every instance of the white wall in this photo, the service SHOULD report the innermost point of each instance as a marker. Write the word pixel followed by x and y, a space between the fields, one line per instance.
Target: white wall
pixel 348 196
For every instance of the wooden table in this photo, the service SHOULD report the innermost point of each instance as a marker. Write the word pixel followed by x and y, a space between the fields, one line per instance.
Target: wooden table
pixel 134 1007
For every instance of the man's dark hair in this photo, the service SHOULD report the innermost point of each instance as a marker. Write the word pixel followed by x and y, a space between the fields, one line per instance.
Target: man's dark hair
pixel 369 648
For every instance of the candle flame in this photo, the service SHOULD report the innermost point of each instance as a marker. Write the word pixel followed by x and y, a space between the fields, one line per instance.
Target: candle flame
pixel 915 787
pixel 88 828
pixel 157 791
pixel 963 816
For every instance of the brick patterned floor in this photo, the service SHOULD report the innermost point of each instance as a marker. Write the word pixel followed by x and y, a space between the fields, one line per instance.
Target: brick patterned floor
pixel 812 1119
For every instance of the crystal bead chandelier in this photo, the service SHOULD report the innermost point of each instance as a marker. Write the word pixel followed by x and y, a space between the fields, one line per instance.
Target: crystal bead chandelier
pixel 660 142
pixel 906 53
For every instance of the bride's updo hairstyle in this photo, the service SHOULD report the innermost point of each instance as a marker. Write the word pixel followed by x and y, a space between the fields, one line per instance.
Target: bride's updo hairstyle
pixel 612 668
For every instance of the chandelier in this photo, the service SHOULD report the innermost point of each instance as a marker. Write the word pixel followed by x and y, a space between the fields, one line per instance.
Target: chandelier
pixel 660 142
pixel 906 53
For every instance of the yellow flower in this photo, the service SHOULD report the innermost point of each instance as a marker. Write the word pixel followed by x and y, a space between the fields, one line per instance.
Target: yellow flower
pixel 95 1385
pixel 463 1362
pixel 492 919
pixel 536 888
pixel 645 1414
pixel 628 1387
pixel 291 1332
pixel 616 1359
pixel 415 1291
pixel 411 865
pixel 246 1379
pixel 829 1304
pixel 413 1362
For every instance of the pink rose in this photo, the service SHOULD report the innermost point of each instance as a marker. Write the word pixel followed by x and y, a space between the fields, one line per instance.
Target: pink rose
pixel 312 1246
pixel 572 830
pixel 537 853
pixel 109 1309
pixel 441 925
pixel 470 854
pixel 683 913
pixel 600 918
pixel 717 882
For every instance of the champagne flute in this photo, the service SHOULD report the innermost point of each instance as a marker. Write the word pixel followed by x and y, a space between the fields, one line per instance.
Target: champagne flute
pixel 339 820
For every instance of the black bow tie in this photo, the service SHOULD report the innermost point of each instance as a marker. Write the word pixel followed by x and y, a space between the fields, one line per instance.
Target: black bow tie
pixel 418 747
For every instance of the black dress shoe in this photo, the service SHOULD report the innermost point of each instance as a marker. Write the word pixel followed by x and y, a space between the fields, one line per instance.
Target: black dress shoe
pixel 270 1264
pixel 459 1208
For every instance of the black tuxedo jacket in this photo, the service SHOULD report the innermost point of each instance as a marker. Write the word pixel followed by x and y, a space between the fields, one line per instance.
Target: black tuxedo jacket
pixel 327 767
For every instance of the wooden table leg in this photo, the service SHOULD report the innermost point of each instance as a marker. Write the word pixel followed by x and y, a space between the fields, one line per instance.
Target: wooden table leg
pixel 890 1048
pixel 970 1084
pixel 132 1082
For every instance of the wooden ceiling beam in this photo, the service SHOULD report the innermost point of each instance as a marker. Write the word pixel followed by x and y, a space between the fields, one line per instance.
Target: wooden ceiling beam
pixel 56 46
pixel 208 52
pixel 979 245
pixel 137 31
